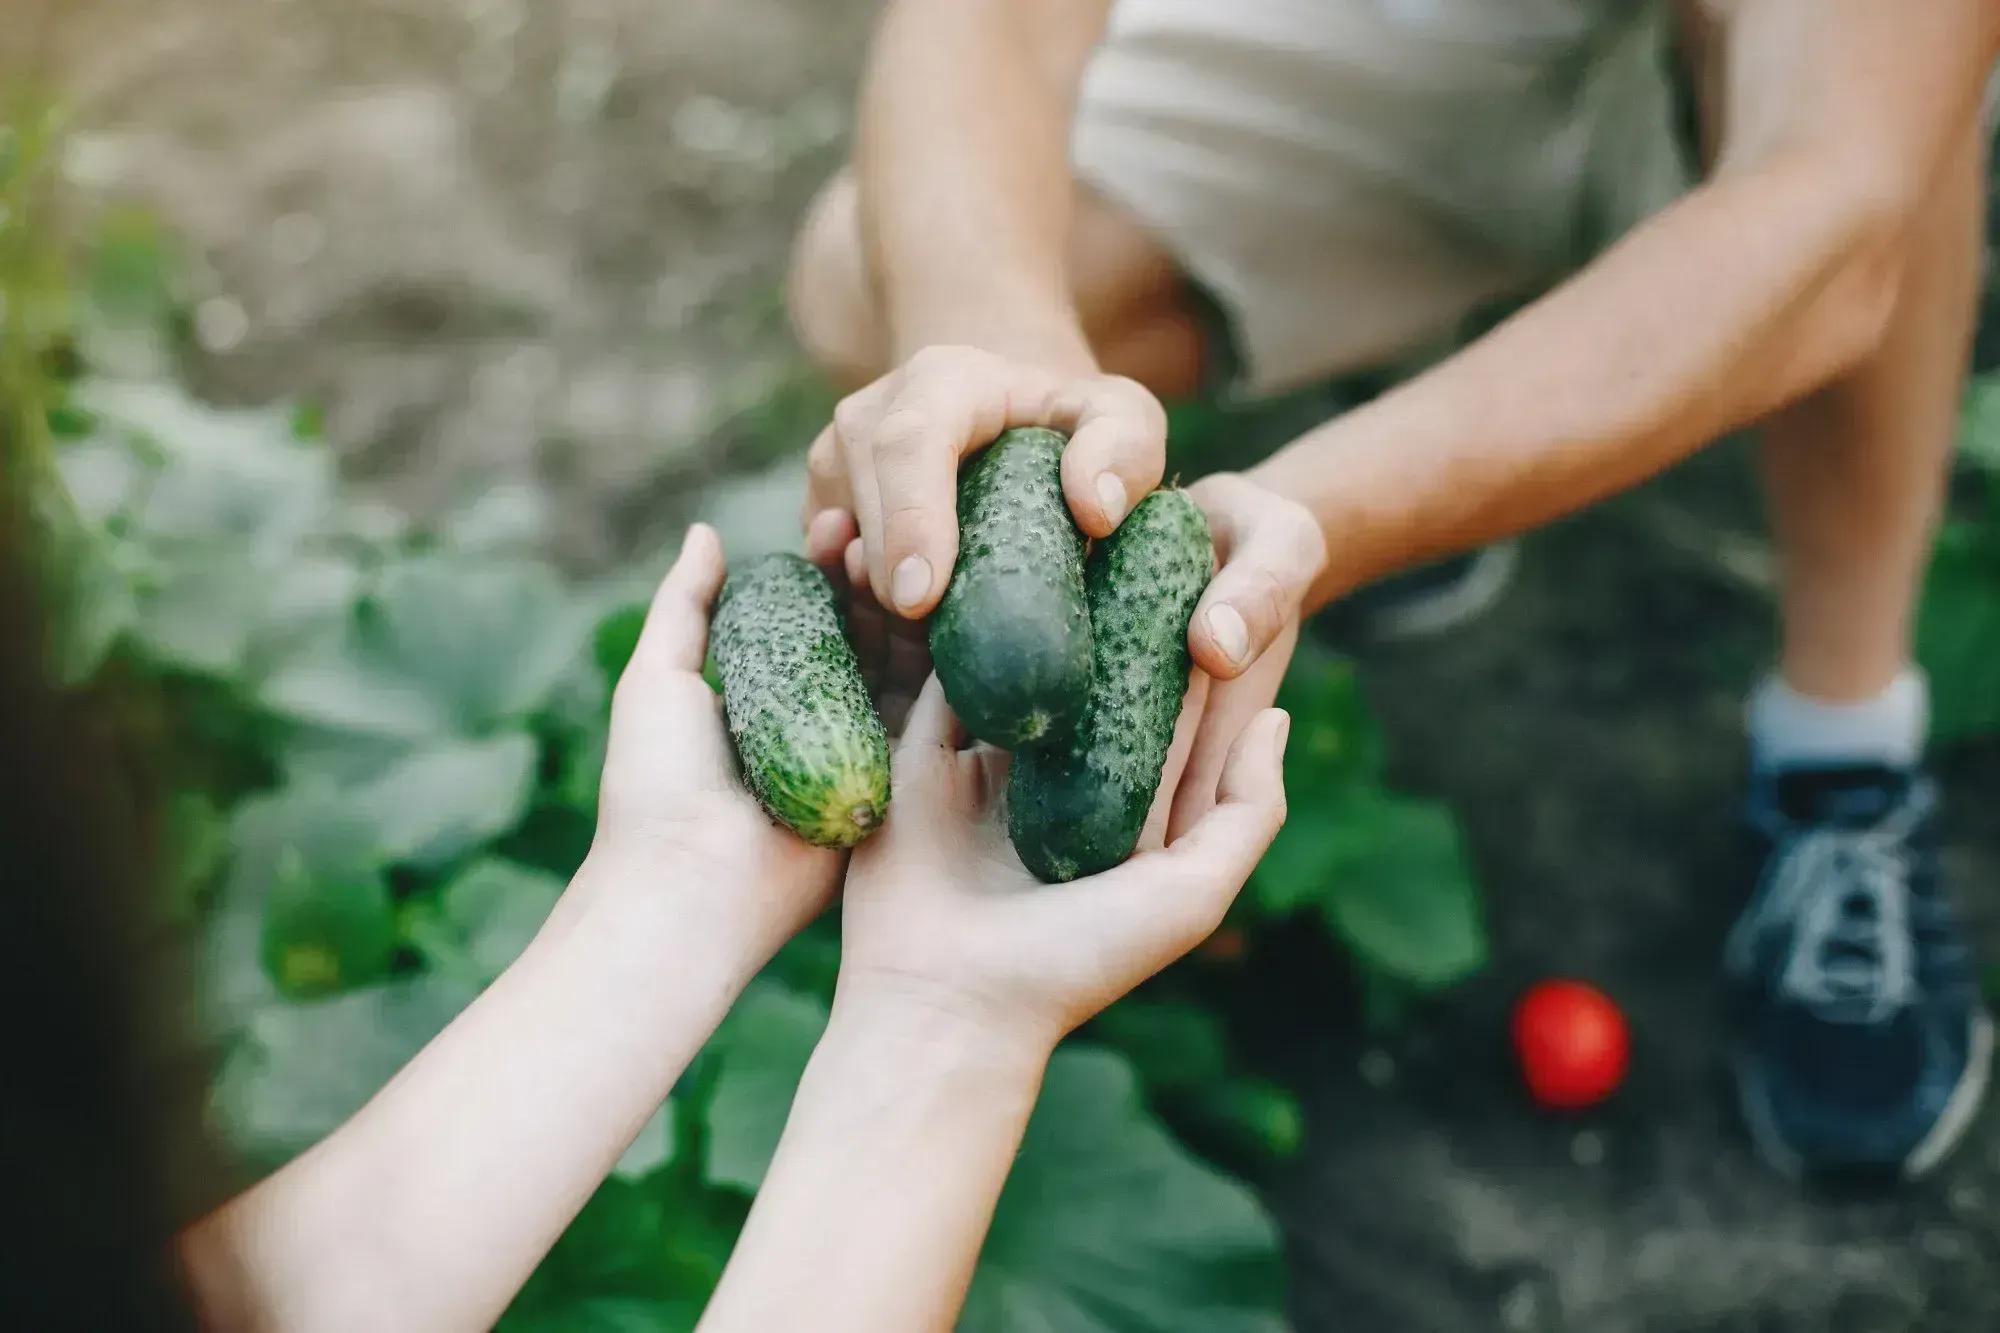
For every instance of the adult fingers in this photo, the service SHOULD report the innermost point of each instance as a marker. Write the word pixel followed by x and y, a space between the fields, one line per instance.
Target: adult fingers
pixel 1138 917
pixel 1271 550
pixel 1192 881
pixel 903 445
pixel 1194 707
pixel 1232 706
pixel 828 533
pixel 1117 450
pixel 827 484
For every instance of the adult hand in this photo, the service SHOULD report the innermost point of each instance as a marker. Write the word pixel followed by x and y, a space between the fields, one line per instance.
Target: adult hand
pixel 1246 626
pixel 674 821
pixel 882 501
pixel 940 914
pixel 890 457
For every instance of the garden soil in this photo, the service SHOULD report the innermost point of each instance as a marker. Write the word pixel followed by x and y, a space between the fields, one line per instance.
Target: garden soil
pixel 532 255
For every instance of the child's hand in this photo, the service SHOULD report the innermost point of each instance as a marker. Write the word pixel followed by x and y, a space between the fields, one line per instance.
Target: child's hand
pixel 675 825
pixel 940 915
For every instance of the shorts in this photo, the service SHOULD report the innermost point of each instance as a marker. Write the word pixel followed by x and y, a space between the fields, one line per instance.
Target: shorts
pixel 1351 180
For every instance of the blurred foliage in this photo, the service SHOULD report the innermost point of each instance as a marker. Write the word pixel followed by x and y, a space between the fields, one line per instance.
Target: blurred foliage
pixel 389 747
pixel 1958 630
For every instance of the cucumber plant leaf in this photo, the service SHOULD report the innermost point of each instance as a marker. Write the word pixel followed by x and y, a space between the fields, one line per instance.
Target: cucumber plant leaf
pixel 1104 1224
pixel 486 640
pixel 761 1053
pixel 644 1254
pixel 440 802
pixel 484 918
pixel 1107 1224
pixel 306 871
pixel 303 1069
pixel 1958 633
pixel 1402 893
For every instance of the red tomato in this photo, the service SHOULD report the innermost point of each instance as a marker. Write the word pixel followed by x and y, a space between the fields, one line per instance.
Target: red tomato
pixel 1572 1042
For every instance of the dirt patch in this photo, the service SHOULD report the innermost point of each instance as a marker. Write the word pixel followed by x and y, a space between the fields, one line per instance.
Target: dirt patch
pixel 493 239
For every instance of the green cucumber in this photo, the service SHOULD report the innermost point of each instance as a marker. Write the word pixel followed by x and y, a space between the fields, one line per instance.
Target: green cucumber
pixel 811 746
pixel 1077 807
pixel 1011 639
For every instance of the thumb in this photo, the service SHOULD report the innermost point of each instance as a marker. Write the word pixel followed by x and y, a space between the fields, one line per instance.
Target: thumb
pixel 1177 896
pixel 1270 551
pixel 675 634
pixel 924 766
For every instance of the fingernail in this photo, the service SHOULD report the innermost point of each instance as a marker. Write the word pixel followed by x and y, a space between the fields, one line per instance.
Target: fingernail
pixel 1231 635
pixel 910 582
pixel 1111 497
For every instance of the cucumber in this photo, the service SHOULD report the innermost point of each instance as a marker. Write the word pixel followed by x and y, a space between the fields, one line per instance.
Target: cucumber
pixel 1077 807
pixel 1010 641
pixel 811 746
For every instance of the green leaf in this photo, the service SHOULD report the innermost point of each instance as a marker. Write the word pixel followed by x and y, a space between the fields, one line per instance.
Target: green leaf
pixel 1173 1044
pixel 305 899
pixel 615 638
pixel 486 916
pixel 652 1149
pixel 447 799
pixel 1403 895
pixel 204 613
pixel 95 607
pixel 761 1052
pixel 1958 634
pixel 1979 424
pixel 102 477
pixel 199 842
pixel 486 640
pixel 322 934
pixel 337 692
pixel 650 1249
pixel 1106 1224
pixel 607 1314
pixel 304 1069
pixel 1335 742
pixel 232 476
pixel 1262 1115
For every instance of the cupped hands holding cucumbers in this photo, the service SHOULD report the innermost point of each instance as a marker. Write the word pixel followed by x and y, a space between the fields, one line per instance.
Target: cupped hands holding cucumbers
pixel 959 973
pixel 882 513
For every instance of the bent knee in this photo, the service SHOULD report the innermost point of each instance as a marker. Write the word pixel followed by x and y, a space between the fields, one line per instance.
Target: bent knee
pixel 830 295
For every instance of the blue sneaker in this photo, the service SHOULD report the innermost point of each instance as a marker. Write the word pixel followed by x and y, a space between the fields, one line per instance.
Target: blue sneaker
pixel 1865 1041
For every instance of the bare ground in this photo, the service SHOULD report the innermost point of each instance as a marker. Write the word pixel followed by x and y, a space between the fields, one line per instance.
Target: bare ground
pixel 541 247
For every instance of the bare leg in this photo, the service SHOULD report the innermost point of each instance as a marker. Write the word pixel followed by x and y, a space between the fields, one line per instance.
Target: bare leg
pixel 1856 474
pixel 1135 304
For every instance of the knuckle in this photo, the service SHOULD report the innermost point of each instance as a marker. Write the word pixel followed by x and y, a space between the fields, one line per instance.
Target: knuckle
pixel 823 461
pixel 850 416
pixel 902 435
pixel 938 359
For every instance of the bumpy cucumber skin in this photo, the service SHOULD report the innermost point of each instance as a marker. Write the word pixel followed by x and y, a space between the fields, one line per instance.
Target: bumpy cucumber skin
pixel 1011 639
pixel 810 744
pixel 1077 807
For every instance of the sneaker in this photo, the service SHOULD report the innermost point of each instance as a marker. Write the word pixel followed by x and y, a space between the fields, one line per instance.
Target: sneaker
pixel 1865 1043
pixel 1423 602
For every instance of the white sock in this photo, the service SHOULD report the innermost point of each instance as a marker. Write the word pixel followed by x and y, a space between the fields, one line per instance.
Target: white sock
pixel 1789 730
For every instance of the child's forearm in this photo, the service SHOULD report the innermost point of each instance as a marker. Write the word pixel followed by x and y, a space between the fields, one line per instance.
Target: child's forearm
pixel 872 1218
pixel 430 1208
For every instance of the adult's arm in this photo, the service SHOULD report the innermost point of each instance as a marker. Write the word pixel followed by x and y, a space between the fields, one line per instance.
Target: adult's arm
pixel 962 157
pixel 1769 280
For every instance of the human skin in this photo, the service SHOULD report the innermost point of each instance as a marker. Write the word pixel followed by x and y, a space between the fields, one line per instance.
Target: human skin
pixel 1818 283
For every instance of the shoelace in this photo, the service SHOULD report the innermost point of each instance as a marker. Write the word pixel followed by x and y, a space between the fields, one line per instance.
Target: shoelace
pixel 1844 894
